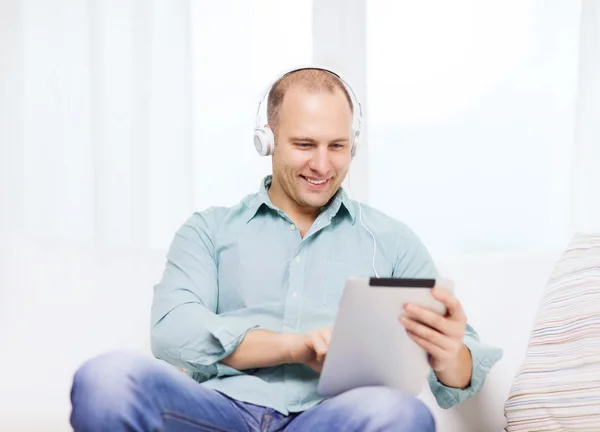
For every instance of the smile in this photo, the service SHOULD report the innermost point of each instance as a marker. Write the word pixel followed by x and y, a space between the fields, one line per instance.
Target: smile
pixel 314 181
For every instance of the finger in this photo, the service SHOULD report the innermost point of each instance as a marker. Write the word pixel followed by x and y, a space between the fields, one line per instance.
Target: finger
pixel 320 347
pixel 444 325
pixel 427 333
pixel 428 317
pixel 435 351
pixel 326 335
pixel 455 310
pixel 315 365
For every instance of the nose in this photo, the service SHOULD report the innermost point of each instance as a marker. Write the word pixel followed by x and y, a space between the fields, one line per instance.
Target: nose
pixel 319 162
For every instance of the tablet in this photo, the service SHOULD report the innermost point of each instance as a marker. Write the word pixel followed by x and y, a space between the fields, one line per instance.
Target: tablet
pixel 369 346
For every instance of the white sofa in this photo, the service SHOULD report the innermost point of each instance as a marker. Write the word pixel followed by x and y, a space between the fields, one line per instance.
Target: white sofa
pixel 500 293
pixel 60 305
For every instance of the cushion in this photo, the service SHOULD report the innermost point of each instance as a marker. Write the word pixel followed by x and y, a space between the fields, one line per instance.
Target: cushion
pixel 557 387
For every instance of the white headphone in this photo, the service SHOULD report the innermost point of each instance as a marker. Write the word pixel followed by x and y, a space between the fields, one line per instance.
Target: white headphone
pixel 264 141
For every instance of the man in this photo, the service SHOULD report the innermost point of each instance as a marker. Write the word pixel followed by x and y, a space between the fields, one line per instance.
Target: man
pixel 250 292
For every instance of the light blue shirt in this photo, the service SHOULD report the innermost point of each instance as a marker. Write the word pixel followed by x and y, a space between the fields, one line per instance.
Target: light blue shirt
pixel 233 269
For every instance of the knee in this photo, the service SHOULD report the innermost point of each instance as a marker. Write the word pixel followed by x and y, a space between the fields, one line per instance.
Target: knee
pixel 412 412
pixel 384 409
pixel 106 373
pixel 102 388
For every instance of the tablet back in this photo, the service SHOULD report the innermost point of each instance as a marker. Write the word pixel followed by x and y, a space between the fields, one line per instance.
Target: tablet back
pixel 369 345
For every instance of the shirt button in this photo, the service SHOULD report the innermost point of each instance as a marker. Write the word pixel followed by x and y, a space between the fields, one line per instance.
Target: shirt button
pixel 294 294
pixel 298 259
pixel 292 227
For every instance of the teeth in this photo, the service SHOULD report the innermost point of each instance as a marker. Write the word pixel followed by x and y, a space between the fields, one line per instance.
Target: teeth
pixel 313 181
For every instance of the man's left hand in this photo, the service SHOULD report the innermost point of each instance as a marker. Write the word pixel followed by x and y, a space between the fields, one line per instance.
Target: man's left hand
pixel 441 336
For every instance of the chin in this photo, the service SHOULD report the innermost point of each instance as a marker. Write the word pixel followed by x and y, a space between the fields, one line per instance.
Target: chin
pixel 316 202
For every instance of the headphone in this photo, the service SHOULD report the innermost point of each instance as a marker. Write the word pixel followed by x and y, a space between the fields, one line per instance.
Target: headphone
pixel 264 141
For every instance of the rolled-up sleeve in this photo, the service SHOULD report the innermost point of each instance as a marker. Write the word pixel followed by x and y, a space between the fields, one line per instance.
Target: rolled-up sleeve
pixel 483 358
pixel 186 331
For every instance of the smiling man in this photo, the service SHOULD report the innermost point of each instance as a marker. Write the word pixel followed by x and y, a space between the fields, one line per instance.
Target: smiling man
pixel 250 292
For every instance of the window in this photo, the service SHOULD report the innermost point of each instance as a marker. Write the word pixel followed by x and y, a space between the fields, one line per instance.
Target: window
pixel 471 125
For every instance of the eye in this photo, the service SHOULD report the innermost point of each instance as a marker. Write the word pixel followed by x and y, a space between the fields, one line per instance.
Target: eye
pixel 303 145
pixel 338 146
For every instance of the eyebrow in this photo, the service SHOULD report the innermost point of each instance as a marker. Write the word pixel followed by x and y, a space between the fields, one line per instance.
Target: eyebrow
pixel 313 141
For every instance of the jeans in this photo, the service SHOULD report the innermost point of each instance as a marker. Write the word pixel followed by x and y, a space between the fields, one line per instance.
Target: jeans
pixel 123 391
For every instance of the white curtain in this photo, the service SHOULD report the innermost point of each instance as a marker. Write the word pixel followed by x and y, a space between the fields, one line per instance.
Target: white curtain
pixel 118 119
pixel 101 148
pixel 586 161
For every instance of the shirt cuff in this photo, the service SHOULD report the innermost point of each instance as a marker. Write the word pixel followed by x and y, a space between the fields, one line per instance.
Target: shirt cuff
pixel 222 339
pixel 483 358
pixel 231 335
pixel 224 370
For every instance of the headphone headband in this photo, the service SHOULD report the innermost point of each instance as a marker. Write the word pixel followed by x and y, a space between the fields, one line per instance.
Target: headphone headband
pixel 264 141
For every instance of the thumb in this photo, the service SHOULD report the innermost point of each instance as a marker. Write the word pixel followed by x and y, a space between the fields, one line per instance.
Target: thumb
pixel 320 347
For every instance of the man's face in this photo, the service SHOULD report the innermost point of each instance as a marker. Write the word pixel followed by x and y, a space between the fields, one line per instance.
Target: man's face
pixel 312 145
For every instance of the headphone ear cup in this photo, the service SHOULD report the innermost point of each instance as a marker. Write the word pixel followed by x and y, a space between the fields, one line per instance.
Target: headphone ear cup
pixel 264 141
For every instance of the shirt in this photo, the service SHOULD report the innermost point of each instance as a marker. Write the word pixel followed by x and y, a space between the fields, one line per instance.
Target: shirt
pixel 230 270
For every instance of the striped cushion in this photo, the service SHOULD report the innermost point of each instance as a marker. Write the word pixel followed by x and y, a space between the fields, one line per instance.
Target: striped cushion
pixel 557 388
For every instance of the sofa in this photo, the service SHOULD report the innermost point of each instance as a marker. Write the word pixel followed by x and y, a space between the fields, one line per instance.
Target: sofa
pixel 60 304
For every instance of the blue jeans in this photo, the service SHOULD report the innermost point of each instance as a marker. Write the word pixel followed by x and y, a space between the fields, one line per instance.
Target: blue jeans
pixel 123 391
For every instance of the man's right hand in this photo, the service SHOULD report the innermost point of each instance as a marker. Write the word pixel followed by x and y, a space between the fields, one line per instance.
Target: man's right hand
pixel 265 348
pixel 309 348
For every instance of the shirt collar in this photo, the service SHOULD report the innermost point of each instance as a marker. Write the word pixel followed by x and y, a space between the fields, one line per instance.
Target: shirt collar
pixel 261 199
